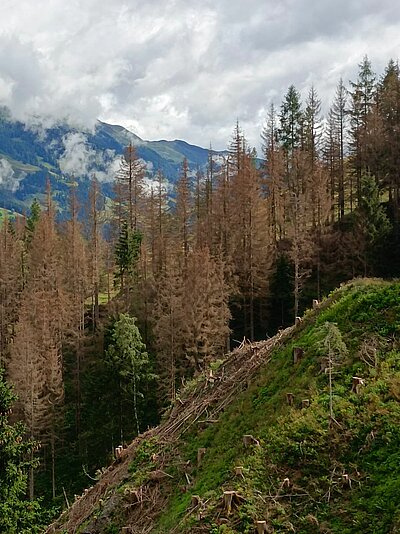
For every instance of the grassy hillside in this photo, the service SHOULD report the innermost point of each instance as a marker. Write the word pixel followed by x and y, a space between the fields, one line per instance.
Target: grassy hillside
pixel 325 458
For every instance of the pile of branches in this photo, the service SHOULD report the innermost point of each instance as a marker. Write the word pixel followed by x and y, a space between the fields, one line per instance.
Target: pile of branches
pixel 214 392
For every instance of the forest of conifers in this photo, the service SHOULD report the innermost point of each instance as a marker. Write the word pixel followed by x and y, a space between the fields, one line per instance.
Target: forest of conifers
pixel 105 315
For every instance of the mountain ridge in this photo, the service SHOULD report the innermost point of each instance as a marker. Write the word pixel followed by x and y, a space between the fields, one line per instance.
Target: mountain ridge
pixel 29 156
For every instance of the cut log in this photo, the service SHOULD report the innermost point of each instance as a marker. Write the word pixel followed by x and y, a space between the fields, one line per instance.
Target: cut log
pixel 200 455
pixel 205 422
pixel 290 398
pixel 261 527
pixel 249 440
pixel 298 353
pixel 305 403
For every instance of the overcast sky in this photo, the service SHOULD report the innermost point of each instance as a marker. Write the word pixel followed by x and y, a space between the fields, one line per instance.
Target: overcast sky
pixel 183 68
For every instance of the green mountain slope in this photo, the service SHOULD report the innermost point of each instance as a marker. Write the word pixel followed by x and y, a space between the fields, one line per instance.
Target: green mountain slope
pixel 65 155
pixel 305 447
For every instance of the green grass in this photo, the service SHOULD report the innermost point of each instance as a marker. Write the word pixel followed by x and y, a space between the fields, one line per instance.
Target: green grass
pixel 103 298
pixel 297 478
pixel 301 444
pixel 4 212
pixel 19 166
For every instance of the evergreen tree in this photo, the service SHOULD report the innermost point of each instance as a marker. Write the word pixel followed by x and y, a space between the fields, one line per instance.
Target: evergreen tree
pixel 372 221
pixel 312 124
pixel 291 122
pixel 337 132
pixel 127 252
pixel 389 142
pixel 126 354
pixel 33 219
pixel 362 101
pixel 17 515
pixel 281 294
pixel 11 282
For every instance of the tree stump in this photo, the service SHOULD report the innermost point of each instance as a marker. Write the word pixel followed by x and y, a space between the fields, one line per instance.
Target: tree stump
pixel 346 480
pixel 228 498
pixel 200 455
pixel 357 384
pixel 298 353
pixel 196 501
pixel 231 499
pixel 249 440
pixel 324 365
pixel 261 527
pixel 290 398
pixel 305 403
pixel 239 471
pixel 210 377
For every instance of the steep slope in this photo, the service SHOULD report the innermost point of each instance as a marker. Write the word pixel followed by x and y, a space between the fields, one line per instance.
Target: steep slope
pixel 305 446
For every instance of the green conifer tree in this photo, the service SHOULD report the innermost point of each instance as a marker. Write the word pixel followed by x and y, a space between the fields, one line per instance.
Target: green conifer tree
pixel 127 251
pixel 372 221
pixel 17 514
pixel 33 219
pixel 126 354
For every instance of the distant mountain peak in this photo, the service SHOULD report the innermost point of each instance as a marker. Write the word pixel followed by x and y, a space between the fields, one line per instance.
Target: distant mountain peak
pixel 29 156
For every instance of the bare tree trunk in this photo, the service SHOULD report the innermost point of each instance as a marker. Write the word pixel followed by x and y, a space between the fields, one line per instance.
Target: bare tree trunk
pixel 53 464
pixel 330 382
pixel 296 287
pixel 135 405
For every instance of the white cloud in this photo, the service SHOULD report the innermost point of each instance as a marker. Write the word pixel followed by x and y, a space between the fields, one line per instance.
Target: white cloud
pixel 180 68
pixel 8 178
pixel 80 159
